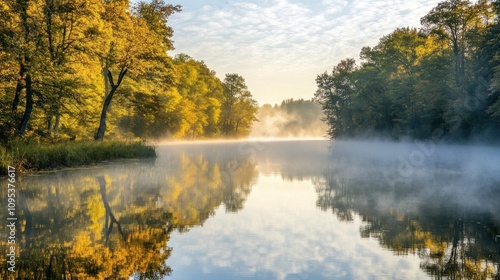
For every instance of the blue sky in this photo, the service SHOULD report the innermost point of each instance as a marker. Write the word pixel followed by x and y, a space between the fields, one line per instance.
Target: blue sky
pixel 280 46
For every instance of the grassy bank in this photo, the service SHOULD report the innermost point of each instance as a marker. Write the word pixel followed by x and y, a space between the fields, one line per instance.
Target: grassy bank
pixel 40 156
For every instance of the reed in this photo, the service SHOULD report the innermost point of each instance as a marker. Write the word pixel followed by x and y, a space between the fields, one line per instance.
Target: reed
pixel 27 156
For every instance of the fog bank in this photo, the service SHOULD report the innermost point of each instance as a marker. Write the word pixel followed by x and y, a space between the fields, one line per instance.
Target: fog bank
pixel 293 118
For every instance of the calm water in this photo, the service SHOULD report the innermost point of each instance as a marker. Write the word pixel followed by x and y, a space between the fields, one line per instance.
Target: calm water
pixel 306 209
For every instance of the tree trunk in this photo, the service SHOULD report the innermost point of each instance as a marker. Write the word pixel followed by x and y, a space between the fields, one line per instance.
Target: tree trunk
pixel 19 87
pixel 107 101
pixel 49 126
pixel 56 125
pixel 25 68
pixel 29 107
pixel 102 123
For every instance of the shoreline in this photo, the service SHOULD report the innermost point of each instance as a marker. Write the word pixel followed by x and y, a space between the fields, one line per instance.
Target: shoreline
pixel 33 157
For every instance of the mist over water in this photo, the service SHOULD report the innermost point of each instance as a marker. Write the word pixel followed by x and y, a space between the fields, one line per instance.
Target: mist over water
pixel 458 175
pixel 293 118
pixel 282 124
pixel 282 209
pixel 415 199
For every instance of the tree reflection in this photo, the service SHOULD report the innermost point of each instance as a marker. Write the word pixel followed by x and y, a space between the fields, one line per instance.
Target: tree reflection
pixel 110 218
pixel 203 178
pixel 430 215
pixel 114 222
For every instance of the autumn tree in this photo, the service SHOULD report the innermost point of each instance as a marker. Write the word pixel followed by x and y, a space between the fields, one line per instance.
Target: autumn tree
pixel 238 107
pixel 45 40
pixel 201 92
pixel 64 62
pixel 20 42
pixel 135 45
pixel 69 28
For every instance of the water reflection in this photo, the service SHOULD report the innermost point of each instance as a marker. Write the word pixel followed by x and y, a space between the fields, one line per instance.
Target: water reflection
pixel 305 210
pixel 445 210
pixel 65 229
pixel 114 221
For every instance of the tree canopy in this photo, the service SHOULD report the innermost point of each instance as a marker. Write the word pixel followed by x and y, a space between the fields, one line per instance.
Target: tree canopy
pixel 238 107
pixel 95 69
pixel 437 81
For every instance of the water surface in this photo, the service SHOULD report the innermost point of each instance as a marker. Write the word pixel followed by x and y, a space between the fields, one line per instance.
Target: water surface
pixel 306 209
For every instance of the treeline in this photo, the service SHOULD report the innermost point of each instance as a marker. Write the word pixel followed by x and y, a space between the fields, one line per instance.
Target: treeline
pixel 439 81
pixel 82 69
pixel 292 118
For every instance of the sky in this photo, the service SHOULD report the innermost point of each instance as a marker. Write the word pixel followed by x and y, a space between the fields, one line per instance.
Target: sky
pixel 252 245
pixel 281 46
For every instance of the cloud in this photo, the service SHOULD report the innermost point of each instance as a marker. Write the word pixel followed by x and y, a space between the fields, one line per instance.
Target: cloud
pixel 276 42
pixel 269 239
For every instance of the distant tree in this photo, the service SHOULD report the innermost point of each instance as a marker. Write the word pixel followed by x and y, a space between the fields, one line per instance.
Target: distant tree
pixel 335 93
pixel 238 108
pixel 202 94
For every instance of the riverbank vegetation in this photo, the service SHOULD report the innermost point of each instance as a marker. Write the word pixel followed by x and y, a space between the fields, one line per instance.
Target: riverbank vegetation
pixel 84 70
pixel 439 81
pixel 35 156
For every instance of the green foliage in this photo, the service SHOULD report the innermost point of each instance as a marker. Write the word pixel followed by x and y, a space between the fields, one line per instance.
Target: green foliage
pixel 35 156
pixel 238 107
pixel 335 93
pixel 201 93
pixel 83 69
pixel 156 14
pixel 440 80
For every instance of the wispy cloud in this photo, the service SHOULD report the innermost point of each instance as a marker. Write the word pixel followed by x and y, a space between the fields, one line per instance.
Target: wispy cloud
pixel 252 245
pixel 278 43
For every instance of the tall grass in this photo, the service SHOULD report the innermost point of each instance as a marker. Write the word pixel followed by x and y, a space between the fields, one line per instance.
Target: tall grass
pixel 39 156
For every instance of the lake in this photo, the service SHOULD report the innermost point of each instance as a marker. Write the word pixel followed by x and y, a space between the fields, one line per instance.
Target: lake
pixel 302 209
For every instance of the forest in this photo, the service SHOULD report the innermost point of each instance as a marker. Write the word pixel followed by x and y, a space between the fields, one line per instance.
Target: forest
pixel 89 69
pixel 440 81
